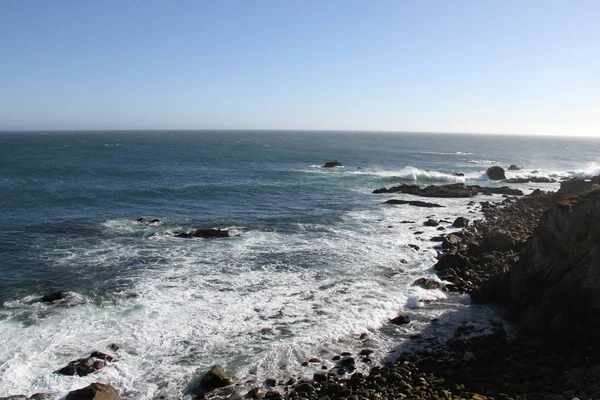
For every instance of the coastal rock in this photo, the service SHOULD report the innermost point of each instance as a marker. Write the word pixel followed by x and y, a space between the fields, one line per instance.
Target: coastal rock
pixel 400 320
pixel 331 164
pixel 495 173
pixel 148 221
pixel 426 283
pixel 460 222
pixel 55 296
pixel 86 366
pixel 431 222
pixel 455 190
pixel 415 203
pixel 556 289
pixel 215 378
pixel 204 233
pixel 95 391
pixel 451 241
pixel 513 167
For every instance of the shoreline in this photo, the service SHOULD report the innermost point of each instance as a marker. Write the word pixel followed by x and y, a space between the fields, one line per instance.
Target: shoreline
pixel 473 364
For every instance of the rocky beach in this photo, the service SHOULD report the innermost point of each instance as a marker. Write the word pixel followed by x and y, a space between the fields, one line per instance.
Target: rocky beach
pixel 537 255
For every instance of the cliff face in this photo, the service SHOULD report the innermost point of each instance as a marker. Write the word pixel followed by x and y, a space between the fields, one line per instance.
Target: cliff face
pixel 556 288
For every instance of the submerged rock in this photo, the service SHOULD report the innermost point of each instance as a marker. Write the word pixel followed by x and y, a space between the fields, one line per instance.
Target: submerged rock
pixel 95 391
pixel 331 164
pixel 401 320
pixel 427 283
pixel 147 221
pixel 513 167
pixel 495 173
pixel 55 296
pixel 204 233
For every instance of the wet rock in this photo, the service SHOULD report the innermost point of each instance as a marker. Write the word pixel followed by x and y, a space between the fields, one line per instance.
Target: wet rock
pixel 460 222
pixel 426 283
pixel 451 261
pixel 86 366
pixel 149 221
pixel 331 164
pixel 414 247
pixel 204 233
pixel 95 391
pixel 451 241
pixel 513 167
pixel 415 203
pixel 495 173
pixel 215 378
pixel 56 296
pixel 401 320
pixel 431 222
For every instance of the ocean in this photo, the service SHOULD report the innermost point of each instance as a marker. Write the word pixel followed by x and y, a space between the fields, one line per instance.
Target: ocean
pixel 316 265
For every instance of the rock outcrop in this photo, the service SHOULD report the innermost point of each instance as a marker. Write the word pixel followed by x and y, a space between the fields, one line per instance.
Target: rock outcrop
pixel 86 366
pixel 555 290
pixel 215 378
pixel 331 164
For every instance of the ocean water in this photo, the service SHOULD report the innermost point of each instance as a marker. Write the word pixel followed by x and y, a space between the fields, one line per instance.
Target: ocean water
pixel 318 265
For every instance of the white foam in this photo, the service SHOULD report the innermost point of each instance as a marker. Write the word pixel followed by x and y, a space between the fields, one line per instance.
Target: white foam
pixel 259 304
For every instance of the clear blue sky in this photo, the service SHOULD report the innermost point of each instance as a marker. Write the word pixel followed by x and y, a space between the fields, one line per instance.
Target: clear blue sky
pixel 528 67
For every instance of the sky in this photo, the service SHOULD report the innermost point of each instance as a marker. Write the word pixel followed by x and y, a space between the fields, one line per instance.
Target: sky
pixel 472 66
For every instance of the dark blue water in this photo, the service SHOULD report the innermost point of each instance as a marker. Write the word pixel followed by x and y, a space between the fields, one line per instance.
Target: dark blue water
pixel 70 201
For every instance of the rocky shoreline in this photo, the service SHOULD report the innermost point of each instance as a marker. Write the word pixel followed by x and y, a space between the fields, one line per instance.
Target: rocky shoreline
pixel 537 255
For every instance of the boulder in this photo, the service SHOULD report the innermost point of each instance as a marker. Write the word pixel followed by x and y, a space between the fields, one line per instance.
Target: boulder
pixel 495 173
pixel 210 233
pixel 95 391
pixel 460 222
pixel 215 378
pixel 148 221
pixel 331 164
pixel 555 290
pixel 451 261
pixel 513 167
pixel 451 241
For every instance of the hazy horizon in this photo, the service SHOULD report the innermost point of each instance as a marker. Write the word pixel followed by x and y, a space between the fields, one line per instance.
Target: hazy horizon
pixel 522 68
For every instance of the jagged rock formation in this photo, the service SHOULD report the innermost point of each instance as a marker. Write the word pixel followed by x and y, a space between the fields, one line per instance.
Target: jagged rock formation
pixel 555 290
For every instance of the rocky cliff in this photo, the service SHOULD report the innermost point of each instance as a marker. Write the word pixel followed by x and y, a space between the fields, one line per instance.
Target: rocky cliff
pixel 555 289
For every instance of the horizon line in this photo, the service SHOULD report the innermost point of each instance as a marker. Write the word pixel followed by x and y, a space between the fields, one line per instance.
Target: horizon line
pixel 290 130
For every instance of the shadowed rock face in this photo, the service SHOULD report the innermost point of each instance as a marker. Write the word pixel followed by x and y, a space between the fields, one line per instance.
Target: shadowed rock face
pixel 204 233
pixel 331 164
pixel 556 289
pixel 95 391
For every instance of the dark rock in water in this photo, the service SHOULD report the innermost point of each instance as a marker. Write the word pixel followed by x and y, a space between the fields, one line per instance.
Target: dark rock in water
pixel 95 391
pixel 516 180
pixel 55 296
pixel 154 221
pixel 215 378
pixel 495 173
pixel 331 164
pixel 498 190
pixel 455 190
pixel 460 222
pixel 414 246
pixel 431 222
pixel 86 366
pixel 437 239
pixel 415 203
pixel 513 167
pixel 458 174
pixel 401 320
pixel 426 283
pixel 541 179
pixel 204 233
